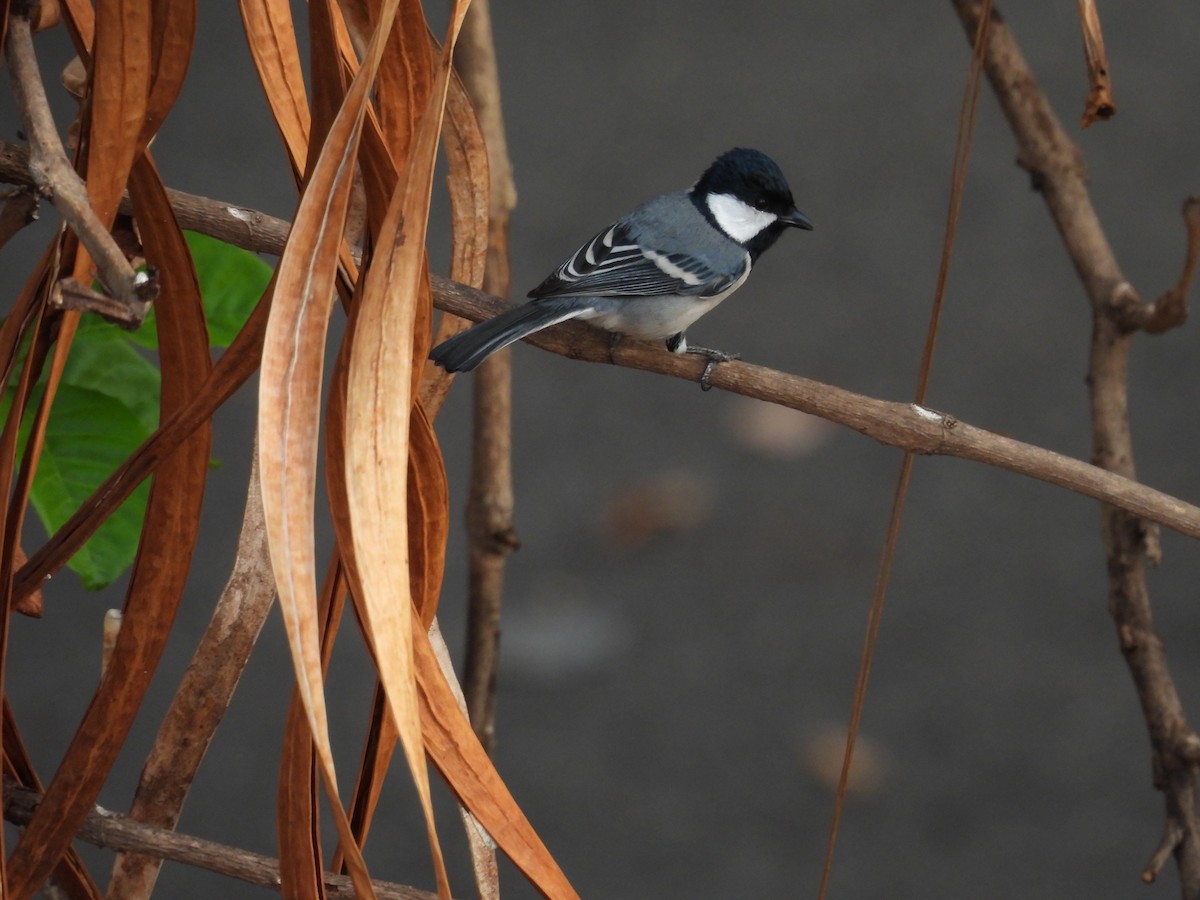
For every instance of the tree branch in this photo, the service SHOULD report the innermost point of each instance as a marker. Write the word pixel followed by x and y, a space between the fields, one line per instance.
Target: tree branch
pixel 490 502
pixel 53 175
pixel 895 424
pixel 103 828
pixel 203 696
pixel 1056 164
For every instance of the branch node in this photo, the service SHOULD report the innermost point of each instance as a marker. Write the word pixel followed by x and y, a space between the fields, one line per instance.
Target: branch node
pixel 1124 305
pixel 56 178
pixel 1171 309
pixel 1126 637
pixel 1152 542
pixel 1037 178
pixel 505 540
pixel 1188 749
pixel 71 294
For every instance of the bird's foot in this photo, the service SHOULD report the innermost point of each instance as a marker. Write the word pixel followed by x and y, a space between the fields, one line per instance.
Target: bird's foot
pixel 714 357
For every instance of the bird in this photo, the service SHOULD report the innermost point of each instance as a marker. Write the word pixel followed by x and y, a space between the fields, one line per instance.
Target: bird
pixel 655 271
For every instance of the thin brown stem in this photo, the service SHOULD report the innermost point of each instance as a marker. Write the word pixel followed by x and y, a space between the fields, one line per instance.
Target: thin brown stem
pixel 103 828
pixel 490 504
pixel 203 695
pixel 1172 834
pixel 67 293
pixel 883 572
pixel 493 538
pixel 1171 309
pixel 249 229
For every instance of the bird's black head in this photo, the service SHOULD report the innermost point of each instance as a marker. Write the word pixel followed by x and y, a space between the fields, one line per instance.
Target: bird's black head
pixel 744 194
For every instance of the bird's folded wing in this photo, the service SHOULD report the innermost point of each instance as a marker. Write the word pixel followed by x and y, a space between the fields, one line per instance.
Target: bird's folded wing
pixel 612 264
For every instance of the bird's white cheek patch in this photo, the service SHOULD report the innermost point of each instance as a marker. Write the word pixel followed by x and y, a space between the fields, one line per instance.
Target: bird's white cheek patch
pixel 737 219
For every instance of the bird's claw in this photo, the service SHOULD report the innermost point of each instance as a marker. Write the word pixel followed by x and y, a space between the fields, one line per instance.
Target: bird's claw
pixel 714 357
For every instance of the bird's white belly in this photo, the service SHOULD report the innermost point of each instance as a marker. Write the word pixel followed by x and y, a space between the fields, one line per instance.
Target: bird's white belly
pixel 653 318
pixel 649 318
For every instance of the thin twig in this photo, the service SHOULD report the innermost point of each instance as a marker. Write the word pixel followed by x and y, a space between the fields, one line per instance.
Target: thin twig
pixel 67 293
pixel 490 503
pixel 203 696
pixel 103 828
pixel 1172 834
pixel 249 229
pixel 1056 164
pixel 1171 309
pixel 493 536
pixel 883 572
pixel 54 177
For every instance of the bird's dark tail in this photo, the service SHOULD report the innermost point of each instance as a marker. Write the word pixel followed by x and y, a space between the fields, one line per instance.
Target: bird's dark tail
pixel 469 348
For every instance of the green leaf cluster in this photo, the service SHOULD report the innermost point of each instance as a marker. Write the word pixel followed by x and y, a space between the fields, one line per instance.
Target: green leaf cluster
pixel 107 406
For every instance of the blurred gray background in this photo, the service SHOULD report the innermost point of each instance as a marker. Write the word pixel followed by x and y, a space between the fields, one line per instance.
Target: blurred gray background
pixel 670 689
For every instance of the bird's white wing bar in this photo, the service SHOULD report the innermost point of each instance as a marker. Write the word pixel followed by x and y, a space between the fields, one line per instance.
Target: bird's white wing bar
pixel 609 265
pixel 669 268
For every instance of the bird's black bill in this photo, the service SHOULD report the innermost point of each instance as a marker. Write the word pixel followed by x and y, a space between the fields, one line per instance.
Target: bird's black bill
pixel 798 219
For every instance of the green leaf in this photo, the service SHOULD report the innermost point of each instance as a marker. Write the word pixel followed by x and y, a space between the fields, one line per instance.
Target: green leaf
pixel 104 359
pixel 108 402
pixel 89 434
pixel 231 282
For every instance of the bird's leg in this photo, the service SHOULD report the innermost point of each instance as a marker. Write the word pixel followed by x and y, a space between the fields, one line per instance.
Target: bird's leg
pixel 677 343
